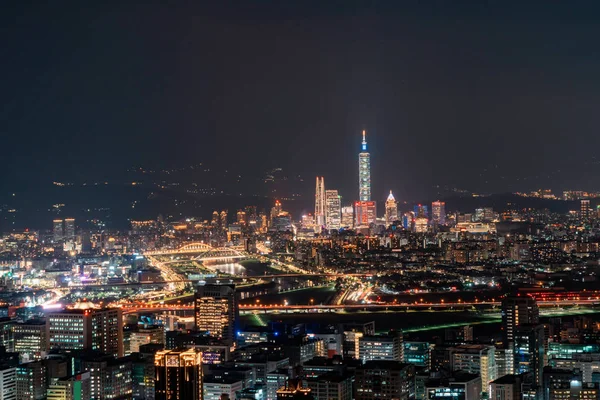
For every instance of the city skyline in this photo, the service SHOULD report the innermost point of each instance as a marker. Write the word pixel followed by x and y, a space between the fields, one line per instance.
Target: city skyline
pixel 300 200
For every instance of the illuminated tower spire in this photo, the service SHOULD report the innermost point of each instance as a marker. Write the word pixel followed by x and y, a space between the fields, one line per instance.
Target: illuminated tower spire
pixel 364 142
pixel 391 209
pixel 364 171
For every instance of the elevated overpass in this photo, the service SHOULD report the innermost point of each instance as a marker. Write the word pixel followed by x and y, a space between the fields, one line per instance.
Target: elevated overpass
pixel 319 308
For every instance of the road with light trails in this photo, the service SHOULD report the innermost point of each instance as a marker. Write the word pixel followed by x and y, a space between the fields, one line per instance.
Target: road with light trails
pixel 175 281
pixel 316 308
pixel 182 280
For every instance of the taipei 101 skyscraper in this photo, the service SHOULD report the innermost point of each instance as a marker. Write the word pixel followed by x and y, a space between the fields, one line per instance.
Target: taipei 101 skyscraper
pixel 364 171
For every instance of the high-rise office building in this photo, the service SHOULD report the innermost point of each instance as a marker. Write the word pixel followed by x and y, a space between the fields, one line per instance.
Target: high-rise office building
pixel 585 209
pixel 529 350
pixel 488 214
pixel 364 171
pixel 517 310
pixel 276 210
pixel 215 219
pixel 30 339
pixel 331 386
pixel 308 221
pixel 241 217
pixel 333 209
pixel 69 228
pixel 6 333
pixel 8 382
pixel 178 375
pixel 58 232
pixel 381 347
pixel 146 335
pixel 251 214
pixel 31 381
pixel 478 217
pixel 418 353
pixel 421 211
pixel 391 209
pixel 86 329
pixel 365 213
pixel 143 371
pixel 110 377
pixel 385 380
pixel 217 387
pixel 408 220
pixel 223 219
pixel 475 359
pixel 421 224
pixel 438 212
pixel 353 332
pixel 348 217
pixel 320 202
pixel 216 311
pixel 281 222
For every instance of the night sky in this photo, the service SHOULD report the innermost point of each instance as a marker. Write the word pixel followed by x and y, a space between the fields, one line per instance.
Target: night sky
pixel 487 96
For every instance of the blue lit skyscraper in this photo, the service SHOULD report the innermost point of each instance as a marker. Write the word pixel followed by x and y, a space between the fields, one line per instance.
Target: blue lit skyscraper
pixel 364 171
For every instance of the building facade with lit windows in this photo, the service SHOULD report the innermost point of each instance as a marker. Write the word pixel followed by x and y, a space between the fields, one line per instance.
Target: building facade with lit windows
pixel 517 310
pixel 438 212
pixel 385 380
pixel 58 232
pixel 320 201
pixel 30 339
pixel 381 347
pixel 365 213
pixel 331 386
pixel 418 353
pixel 215 387
pixel 476 359
pixel 216 311
pixel 8 382
pixel 333 209
pixel 421 224
pixel 152 334
pixel 391 209
pixel 70 388
pixel 69 228
pixel 461 386
pixel 31 381
pixel 110 377
pixel 529 350
pixel 347 217
pixel 178 375
pixel 86 329
pixel 585 209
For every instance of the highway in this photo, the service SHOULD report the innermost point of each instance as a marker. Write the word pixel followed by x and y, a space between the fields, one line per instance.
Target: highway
pixel 169 272
pixel 317 308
